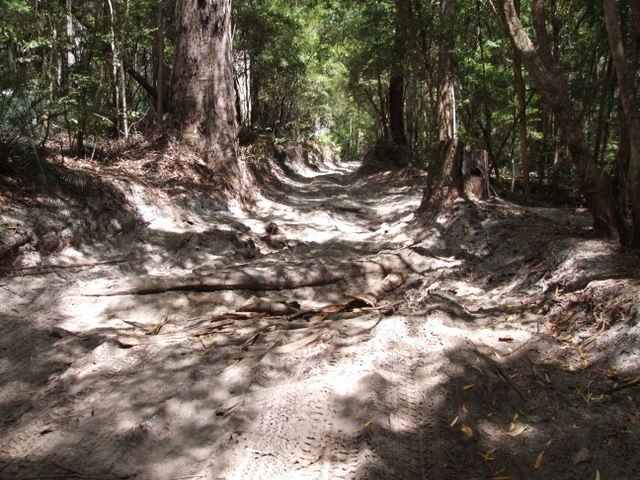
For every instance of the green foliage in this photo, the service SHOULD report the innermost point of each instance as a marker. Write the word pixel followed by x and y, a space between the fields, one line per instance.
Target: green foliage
pixel 318 68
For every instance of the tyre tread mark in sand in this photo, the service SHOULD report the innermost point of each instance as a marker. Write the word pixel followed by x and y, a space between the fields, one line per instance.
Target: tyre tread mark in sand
pixel 433 424
pixel 63 411
pixel 304 455
pixel 416 450
pixel 409 456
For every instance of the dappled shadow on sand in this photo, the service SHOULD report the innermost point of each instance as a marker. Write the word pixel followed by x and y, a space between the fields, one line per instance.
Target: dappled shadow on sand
pixel 464 410
pixel 521 416
pixel 475 373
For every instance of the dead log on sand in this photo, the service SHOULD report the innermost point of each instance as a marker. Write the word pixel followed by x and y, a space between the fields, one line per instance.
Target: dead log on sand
pixel 285 276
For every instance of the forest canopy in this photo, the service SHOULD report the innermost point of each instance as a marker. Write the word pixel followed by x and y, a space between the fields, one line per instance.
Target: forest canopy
pixel 547 89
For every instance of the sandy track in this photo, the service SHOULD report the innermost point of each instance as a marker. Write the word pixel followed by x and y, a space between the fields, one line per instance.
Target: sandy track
pixel 429 391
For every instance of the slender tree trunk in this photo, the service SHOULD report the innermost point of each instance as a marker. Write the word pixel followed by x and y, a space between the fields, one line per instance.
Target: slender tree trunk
pixel 445 98
pixel 525 167
pixel 202 96
pixel 114 63
pixel 256 107
pixel 547 79
pixel 69 58
pixel 160 87
pixel 123 82
pixel 606 94
pixel 521 101
pixel 627 88
pixel 384 123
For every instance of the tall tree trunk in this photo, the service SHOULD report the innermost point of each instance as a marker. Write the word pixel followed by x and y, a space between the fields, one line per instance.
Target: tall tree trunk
pixel 159 70
pixel 522 121
pixel 202 96
pixel 547 79
pixel 114 63
pixel 124 116
pixel 444 181
pixel 627 87
pixel 384 122
pixel 522 114
pixel 396 109
pixel 396 82
pixel 68 59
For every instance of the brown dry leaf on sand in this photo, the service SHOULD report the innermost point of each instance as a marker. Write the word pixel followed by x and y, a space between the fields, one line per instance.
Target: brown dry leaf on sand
pixel 468 431
pixel 516 430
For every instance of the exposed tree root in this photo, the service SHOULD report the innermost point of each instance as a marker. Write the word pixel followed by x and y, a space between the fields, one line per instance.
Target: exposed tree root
pixel 282 277
pixel 316 318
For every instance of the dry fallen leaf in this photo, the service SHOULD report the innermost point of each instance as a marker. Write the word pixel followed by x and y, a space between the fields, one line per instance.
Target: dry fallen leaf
pixel 465 409
pixel 538 463
pixel 454 421
pixel 597 474
pixel 515 430
pixel 490 456
pixel 468 431
pixel 469 386
pixel 632 380
pixel 582 456
pixel 477 369
pixel 501 478
pixel 368 423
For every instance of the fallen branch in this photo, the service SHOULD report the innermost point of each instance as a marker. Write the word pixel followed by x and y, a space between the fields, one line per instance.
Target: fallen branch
pixel 498 371
pixel 320 317
pixel 132 340
pixel 293 346
pixel 287 277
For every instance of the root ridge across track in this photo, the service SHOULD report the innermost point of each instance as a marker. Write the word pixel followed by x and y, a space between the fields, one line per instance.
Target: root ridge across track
pixel 325 334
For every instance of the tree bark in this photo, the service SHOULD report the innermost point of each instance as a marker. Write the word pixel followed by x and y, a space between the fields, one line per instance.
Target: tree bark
pixel 114 63
pixel 627 88
pixel 396 82
pixel 123 82
pixel 547 79
pixel 444 182
pixel 202 96
pixel 159 46
pixel 396 109
pixel 519 87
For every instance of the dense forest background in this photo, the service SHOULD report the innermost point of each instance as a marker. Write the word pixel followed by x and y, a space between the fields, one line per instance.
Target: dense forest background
pixel 547 89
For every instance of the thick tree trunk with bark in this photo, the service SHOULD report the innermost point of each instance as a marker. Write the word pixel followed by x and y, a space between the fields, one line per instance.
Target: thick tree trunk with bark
pixel 396 109
pixel 396 82
pixel 202 95
pixel 627 87
pixel 444 181
pixel 546 77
